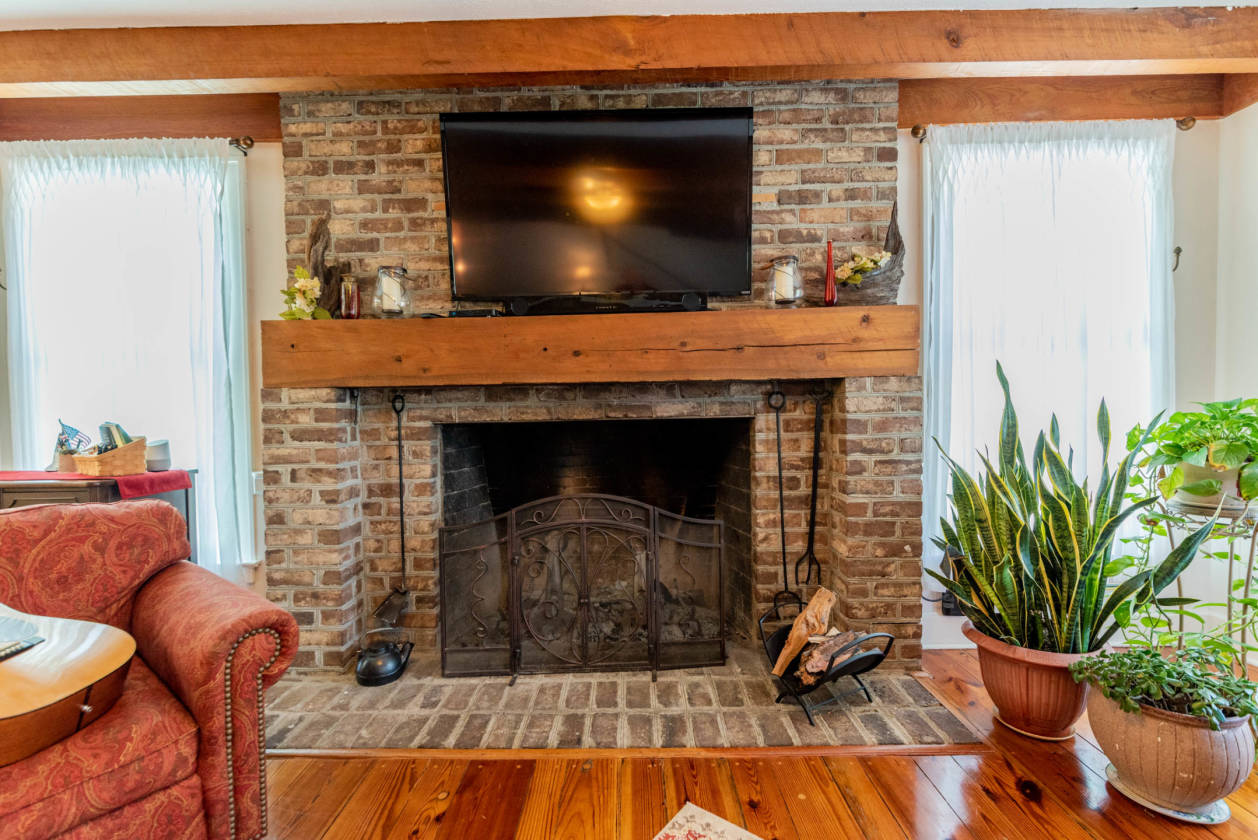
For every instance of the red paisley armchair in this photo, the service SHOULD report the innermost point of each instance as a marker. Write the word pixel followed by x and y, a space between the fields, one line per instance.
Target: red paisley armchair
pixel 180 756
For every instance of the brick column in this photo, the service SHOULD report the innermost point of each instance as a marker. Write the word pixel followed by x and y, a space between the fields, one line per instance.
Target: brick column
pixel 876 506
pixel 314 545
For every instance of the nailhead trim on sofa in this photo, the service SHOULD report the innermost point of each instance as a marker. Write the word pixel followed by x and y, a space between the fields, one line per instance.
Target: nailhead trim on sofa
pixel 231 767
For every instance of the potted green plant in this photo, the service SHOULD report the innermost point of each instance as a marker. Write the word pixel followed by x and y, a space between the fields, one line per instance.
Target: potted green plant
pixel 1208 455
pixel 1033 550
pixel 1176 729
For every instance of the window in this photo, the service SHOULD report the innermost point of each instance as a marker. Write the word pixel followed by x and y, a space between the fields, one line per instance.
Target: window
pixel 1047 248
pixel 125 269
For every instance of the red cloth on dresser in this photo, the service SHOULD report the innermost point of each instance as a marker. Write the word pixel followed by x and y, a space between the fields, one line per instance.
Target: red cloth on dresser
pixel 129 486
pixel 152 483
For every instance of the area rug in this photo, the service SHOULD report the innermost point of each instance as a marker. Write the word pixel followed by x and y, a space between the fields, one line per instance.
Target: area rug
pixel 694 823
pixel 729 706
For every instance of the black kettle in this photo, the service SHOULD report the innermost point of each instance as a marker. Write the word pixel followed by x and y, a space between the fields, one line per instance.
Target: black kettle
pixel 381 660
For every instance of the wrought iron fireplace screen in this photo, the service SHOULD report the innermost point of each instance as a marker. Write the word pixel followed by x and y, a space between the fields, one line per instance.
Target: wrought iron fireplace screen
pixel 584 582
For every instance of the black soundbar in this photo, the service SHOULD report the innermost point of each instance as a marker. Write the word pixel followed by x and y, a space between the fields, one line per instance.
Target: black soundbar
pixel 602 304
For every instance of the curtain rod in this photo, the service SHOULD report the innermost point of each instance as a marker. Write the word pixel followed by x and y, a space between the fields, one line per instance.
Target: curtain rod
pixel 244 144
pixel 919 131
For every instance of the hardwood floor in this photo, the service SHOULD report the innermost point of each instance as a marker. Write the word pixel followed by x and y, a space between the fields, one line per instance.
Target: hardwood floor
pixel 1007 787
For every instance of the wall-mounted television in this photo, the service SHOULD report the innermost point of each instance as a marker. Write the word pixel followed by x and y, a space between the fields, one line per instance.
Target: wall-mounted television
pixel 624 203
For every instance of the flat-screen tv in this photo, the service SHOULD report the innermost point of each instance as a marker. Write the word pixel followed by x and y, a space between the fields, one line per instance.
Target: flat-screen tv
pixel 598 202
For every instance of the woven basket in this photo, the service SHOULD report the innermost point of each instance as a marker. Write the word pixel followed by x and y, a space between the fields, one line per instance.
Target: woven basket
pixel 128 459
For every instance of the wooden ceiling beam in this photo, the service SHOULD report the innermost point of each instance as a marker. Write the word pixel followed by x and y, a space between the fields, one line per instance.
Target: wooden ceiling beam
pixel 949 101
pixel 108 117
pixel 923 44
pixel 1240 90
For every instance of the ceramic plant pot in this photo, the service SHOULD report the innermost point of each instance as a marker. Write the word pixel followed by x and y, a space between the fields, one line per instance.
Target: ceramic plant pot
pixel 1032 690
pixel 1173 763
pixel 1229 494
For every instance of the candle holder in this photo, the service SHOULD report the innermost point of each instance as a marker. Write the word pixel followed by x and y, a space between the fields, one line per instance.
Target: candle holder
pixel 786 281
pixel 391 298
pixel 831 292
pixel 349 297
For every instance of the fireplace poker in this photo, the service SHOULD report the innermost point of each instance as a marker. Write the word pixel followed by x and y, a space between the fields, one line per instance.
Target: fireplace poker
pixel 777 401
pixel 808 560
pixel 391 608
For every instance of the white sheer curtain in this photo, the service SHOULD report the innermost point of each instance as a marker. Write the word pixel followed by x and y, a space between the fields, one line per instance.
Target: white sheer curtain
pixel 125 267
pixel 1047 248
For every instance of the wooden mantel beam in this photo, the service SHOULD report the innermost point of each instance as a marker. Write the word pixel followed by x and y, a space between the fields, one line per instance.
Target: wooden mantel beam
pixel 922 44
pixel 739 344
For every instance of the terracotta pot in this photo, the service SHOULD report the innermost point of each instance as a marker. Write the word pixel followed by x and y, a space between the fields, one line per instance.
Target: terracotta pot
pixel 1173 761
pixel 1033 691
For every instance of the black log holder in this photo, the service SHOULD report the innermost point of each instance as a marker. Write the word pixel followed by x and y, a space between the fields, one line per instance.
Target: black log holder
pixel 383 655
pixel 857 657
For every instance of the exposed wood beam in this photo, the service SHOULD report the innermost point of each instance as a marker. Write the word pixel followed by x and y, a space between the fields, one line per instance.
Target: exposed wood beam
pixel 924 44
pixel 946 101
pixel 1240 90
pixel 744 344
pixel 107 117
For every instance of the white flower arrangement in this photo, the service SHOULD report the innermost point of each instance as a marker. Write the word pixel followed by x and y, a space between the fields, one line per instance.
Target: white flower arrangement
pixel 852 272
pixel 303 298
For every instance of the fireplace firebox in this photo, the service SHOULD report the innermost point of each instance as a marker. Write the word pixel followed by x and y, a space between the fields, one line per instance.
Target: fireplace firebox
pixel 584 582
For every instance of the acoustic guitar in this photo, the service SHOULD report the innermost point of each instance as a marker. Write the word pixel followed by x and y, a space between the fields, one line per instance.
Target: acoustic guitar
pixel 57 675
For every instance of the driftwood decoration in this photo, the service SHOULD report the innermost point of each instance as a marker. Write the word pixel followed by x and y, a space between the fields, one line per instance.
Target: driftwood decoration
pixel 811 621
pixel 882 285
pixel 329 274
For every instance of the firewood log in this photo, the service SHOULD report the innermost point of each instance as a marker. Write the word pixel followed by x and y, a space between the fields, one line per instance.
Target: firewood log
pixel 813 664
pixel 812 620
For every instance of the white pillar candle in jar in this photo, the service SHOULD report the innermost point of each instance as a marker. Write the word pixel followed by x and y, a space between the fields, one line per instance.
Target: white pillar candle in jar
pixel 391 296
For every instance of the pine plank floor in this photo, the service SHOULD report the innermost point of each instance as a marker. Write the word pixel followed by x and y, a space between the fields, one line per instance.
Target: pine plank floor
pixel 1006 787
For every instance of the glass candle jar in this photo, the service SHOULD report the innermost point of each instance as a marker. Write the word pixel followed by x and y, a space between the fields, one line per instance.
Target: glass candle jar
pixel 391 299
pixel 349 297
pixel 786 281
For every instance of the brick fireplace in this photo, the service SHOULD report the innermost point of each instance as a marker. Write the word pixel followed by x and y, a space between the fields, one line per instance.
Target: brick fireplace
pixel 332 494
pixel 824 165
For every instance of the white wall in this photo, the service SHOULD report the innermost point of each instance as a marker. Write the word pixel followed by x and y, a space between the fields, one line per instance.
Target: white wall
pixel 1197 176
pixel 266 262
pixel 266 276
pixel 1237 296
pixel 1196 190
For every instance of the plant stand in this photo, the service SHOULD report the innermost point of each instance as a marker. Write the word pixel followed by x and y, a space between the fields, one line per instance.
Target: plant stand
pixel 1238 528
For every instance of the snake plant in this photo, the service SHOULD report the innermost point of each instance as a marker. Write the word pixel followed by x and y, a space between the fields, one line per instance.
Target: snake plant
pixel 1034 544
